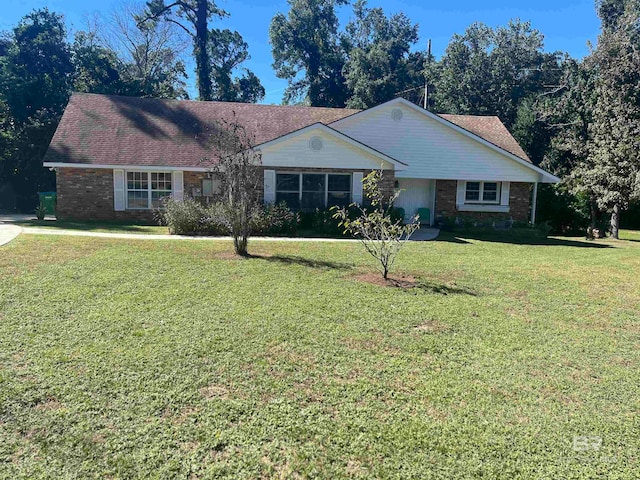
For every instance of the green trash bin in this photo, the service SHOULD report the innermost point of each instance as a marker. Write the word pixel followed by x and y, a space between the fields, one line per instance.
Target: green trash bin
pixel 48 199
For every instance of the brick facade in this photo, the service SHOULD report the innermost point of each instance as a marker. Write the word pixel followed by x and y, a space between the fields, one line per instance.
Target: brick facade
pixel 519 202
pixel 87 193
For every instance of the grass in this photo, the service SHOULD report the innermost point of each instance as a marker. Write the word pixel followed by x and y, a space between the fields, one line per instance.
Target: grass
pixel 633 235
pixel 101 227
pixel 125 359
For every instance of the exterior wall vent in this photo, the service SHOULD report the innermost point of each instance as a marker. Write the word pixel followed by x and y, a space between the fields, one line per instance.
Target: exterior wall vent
pixel 315 144
pixel 396 114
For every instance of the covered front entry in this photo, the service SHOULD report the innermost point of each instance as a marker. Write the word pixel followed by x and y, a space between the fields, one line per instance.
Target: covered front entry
pixel 417 193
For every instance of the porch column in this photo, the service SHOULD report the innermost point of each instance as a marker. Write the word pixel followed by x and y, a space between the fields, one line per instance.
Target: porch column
pixel 534 204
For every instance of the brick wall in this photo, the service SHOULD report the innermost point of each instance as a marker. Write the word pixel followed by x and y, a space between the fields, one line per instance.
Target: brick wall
pixel 194 179
pixel 87 194
pixel 519 202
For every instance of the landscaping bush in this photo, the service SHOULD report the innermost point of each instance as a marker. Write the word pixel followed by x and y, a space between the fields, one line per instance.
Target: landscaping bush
pixel 189 217
pixel 323 223
pixel 41 211
pixel 278 219
pixel 564 212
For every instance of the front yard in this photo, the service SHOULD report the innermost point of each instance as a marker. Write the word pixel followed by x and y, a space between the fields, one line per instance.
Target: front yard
pixel 174 359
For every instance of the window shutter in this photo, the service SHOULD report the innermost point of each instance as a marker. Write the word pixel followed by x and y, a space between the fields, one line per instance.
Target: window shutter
pixel 356 187
pixel 119 203
pixel 269 186
pixel 460 192
pixel 504 193
pixel 177 185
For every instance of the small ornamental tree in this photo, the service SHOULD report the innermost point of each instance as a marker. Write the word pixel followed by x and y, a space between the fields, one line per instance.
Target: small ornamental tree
pixel 381 236
pixel 239 207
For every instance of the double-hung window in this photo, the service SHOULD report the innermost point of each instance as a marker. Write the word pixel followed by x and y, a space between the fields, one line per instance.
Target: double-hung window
pixel 146 190
pixel 482 192
pixel 310 191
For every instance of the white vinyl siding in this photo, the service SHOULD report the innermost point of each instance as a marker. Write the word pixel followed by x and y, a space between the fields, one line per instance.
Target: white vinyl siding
pixel 416 193
pixel 431 149
pixel 335 153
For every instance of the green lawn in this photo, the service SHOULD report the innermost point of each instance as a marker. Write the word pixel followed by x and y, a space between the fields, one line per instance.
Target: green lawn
pixel 101 227
pixel 123 359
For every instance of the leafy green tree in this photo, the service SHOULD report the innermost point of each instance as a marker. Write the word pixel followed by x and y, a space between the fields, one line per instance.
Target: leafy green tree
pixel 374 226
pixel 193 17
pixel 567 112
pixel 37 70
pixel 228 51
pixel 36 74
pixel 96 68
pixel 380 64
pixel 612 172
pixel 492 71
pixel 307 53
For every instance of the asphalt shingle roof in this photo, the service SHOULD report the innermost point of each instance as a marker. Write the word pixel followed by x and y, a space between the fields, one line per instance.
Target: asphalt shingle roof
pixel 116 130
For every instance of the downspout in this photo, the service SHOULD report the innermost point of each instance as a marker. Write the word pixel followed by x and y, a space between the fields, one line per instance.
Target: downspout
pixel 534 205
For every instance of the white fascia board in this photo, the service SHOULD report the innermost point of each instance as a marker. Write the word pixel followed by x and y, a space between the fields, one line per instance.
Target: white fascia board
pixel 546 177
pixel 144 168
pixel 337 134
pixel 488 177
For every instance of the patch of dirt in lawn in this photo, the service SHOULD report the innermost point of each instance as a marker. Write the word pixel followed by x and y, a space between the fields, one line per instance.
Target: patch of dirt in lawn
pixel 215 391
pixel 397 281
pixel 431 326
pixel 408 282
pixel 229 255
pixel 48 405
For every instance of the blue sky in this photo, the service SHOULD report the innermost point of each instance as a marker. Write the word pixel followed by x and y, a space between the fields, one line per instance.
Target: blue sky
pixel 566 25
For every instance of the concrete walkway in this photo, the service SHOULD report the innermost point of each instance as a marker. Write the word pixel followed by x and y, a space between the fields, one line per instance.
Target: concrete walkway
pixel 423 234
pixel 8 232
pixel 22 217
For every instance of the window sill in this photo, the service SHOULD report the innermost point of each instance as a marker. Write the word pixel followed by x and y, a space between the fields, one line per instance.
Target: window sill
pixel 467 207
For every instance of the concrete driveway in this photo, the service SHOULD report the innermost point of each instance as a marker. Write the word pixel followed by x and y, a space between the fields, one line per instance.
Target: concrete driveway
pixel 8 232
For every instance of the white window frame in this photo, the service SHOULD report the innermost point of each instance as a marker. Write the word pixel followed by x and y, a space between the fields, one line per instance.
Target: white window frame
pixel 149 190
pixel 326 184
pixel 481 200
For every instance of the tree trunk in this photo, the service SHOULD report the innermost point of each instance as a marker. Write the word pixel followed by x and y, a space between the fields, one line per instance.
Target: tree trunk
pixel 594 212
pixel 203 69
pixel 615 221
pixel 240 245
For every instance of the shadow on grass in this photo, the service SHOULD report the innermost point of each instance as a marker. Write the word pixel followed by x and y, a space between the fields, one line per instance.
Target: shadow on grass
pixel 518 238
pixel 86 226
pixel 304 262
pixel 443 289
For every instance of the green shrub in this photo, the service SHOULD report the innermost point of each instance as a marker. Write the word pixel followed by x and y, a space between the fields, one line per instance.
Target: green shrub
pixel 396 213
pixel 41 211
pixel 564 212
pixel 278 219
pixel 189 217
pixel 323 223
